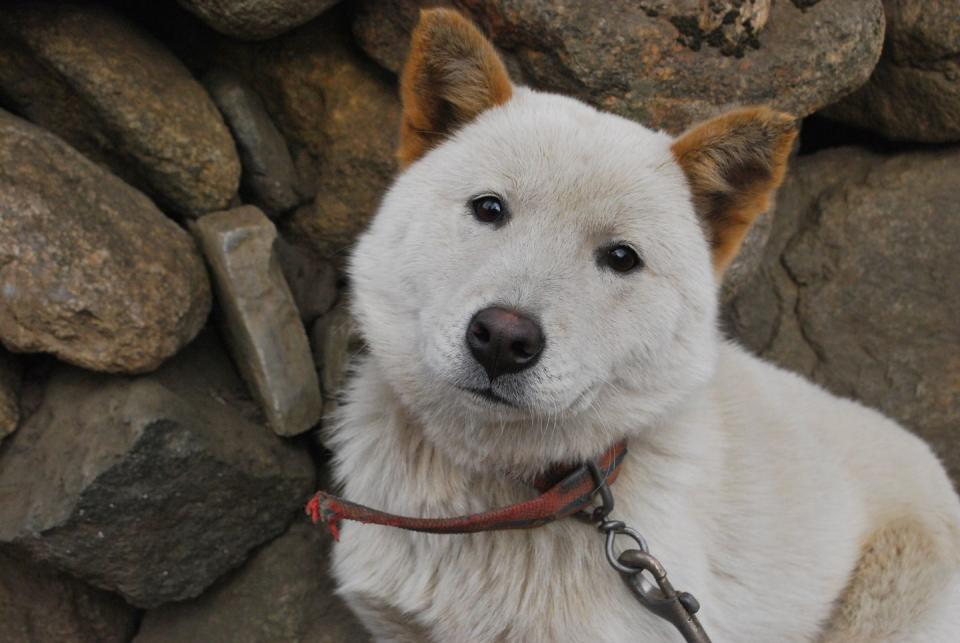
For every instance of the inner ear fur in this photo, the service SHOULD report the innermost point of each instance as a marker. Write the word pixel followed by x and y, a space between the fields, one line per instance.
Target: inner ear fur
pixel 452 74
pixel 734 163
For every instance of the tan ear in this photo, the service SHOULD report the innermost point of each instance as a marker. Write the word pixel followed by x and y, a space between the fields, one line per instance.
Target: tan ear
pixel 734 163
pixel 451 75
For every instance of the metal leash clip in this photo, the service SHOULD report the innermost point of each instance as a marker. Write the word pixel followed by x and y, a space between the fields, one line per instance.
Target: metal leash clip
pixel 634 565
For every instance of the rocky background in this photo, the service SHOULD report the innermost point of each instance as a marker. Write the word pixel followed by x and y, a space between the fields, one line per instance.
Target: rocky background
pixel 180 183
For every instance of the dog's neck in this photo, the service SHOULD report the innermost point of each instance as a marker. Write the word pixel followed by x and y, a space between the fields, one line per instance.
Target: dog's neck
pixel 387 458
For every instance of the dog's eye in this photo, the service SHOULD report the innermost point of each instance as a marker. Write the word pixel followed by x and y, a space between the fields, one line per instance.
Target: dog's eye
pixel 488 209
pixel 621 258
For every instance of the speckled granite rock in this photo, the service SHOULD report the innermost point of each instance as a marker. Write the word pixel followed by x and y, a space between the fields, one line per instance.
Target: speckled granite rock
pixel 121 98
pixel 256 19
pixel 90 269
pixel 152 486
pixel 283 593
pixel 653 61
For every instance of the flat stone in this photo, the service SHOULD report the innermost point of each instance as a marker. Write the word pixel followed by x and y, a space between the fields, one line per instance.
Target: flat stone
pixel 269 178
pixel 10 380
pixel 90 270
pixel 312 280
pixel 858 288
pixel 340 115
pixel 283 593
pixel 660 62
pixel 120 97
pixel 260 319
pixel 39 605
pixel 152 486
pixel 914 92
pixel 256 19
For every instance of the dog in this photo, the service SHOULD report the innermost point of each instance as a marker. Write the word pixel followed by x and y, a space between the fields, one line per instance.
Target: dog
pixel 539 283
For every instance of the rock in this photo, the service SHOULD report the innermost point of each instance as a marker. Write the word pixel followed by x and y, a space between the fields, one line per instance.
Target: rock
pixel 269 178
pixel 256 19
pixel 10 379
pixel 858 286
pixel 90 269
pixel 335 107
pixel 312 281
pixel 260 319
pixel 653 61
pixel 748 259
pixel 914 92
pixel 153 486
pixel 283 593
pixel 39 605
pixel 335 340
pixel 119 97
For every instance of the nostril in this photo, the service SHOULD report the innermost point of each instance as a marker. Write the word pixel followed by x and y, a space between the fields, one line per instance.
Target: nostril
pixel 480 332
pixel 523 349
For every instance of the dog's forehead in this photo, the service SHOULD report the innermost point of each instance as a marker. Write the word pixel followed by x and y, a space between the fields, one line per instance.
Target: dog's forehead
pixel 548 151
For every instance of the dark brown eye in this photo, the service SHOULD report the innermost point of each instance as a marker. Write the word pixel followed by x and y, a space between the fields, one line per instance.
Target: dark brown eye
pixel 488 209
pixel 621 258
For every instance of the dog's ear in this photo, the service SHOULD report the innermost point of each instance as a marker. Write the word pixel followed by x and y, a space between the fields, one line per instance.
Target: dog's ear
pixel 452 74
pixel 734 163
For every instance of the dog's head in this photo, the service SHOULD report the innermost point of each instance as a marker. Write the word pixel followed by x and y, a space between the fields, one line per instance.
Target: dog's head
pixel 541 278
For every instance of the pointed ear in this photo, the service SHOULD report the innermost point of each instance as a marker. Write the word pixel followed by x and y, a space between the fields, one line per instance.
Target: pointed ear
pixel 451 75
pixel 734 163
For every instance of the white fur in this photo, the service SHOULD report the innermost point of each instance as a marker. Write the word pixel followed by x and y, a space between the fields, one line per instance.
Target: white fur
pixel 757 490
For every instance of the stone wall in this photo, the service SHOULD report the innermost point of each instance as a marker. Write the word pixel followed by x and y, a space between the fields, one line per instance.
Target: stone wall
pixel 181 182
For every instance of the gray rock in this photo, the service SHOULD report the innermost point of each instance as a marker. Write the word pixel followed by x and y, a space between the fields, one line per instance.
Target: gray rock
pixel 121 98
pixel 256 19
pixel 269 178
pixel 340 115
pixel 10 379
pixel 153 486
pixel 748 259
pixel 312 280
pixel 335 340
pixel 38 605
pixel 858 289
pixel 283 593
pixel 260 319
pixel 659 62
pixel 90 269
pixel 914 93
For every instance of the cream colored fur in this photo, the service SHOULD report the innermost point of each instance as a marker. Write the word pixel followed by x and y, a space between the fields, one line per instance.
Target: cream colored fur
pixel 791 514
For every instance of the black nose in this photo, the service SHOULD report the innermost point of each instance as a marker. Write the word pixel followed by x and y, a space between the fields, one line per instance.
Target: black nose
pixel 504 341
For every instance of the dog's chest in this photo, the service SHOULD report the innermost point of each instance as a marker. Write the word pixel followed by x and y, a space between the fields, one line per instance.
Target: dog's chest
pixel 549 584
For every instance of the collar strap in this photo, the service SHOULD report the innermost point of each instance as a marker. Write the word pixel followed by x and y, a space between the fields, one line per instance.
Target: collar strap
pixel 574 492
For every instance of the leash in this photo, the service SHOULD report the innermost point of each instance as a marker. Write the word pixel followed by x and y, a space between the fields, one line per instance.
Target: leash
pixel 563 493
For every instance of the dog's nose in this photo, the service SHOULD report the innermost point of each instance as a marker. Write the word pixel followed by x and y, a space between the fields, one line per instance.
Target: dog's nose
pixel 504 341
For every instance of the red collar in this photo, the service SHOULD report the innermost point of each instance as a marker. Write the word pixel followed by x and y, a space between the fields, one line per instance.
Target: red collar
pixel 571 494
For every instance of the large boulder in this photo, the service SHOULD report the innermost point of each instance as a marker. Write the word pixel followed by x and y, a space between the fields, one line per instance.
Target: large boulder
pixel 260 318
pixel 153 486
pixel 859 290
pixel 256 19
pixel 90 269
pixel 121 98
pixel 10 378
pixel 664 64
pixel 283 593
pixel 340 115
pixel 914 93
pixel 38 605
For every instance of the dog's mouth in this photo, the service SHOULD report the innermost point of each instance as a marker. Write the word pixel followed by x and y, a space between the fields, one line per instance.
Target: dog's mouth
pixel 489 395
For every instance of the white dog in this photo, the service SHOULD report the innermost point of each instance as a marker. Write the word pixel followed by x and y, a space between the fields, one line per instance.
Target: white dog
pixel 540 283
